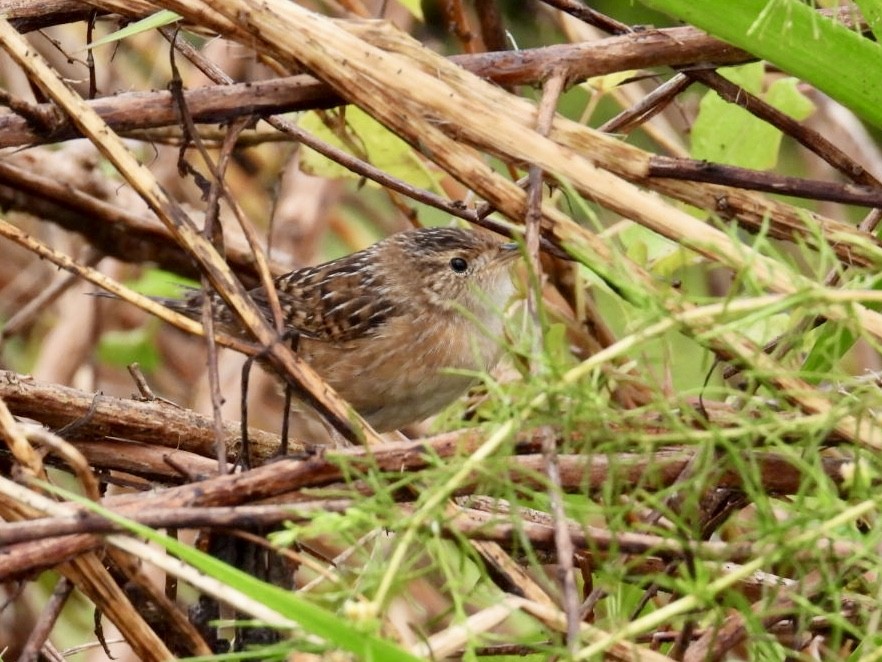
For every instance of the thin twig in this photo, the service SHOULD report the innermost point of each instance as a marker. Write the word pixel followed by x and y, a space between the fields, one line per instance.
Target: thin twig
pixel 590 16
pixel 492 28
pixel 563 543
pixel 41 630
pixel 141 382
pixel 807 137
pixel 213 232
pixel 551 91
pixel 756 180
pixel 458 23
pixel 648 107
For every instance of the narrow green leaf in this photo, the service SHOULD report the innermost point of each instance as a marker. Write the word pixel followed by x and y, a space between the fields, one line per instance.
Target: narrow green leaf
pixel 158 20
pixel 338 631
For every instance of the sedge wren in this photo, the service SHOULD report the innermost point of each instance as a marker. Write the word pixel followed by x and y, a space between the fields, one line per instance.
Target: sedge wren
pixel 383 326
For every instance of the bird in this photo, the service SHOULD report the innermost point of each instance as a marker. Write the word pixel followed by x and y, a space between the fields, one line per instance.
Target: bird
pixel 400 329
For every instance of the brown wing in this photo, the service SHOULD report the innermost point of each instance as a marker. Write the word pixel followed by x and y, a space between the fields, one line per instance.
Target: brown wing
pixel 338 301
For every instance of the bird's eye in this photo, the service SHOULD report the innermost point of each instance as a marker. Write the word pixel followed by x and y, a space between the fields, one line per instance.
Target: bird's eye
pixel 458 264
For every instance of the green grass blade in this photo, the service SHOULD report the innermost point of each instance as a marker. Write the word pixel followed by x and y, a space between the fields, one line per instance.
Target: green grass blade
pixel 154 21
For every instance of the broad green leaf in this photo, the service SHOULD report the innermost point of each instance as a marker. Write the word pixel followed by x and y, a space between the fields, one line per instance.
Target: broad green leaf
pixel 643 245
pixel 557 346
pixel 158 20
pixel 784 95
pixel 672 263
pixel 796 38
pixel 726 133
pixel 360 134
pixel 658 254
pixel 122 348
